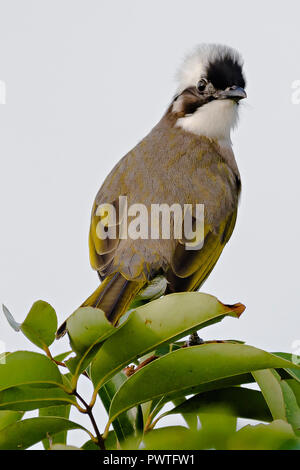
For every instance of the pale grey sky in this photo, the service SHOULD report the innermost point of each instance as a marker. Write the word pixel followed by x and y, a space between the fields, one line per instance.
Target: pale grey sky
pixel 87 79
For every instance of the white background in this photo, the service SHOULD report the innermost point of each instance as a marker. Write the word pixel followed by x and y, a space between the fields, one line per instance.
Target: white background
pixel 85 81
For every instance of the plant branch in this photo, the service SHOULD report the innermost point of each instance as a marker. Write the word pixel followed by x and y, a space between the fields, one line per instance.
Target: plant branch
pixel 59 363
pixel 89 412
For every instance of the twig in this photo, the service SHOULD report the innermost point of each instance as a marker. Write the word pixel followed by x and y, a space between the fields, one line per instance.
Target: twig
pixel 88 409
pixel 89 412
pixel 58 363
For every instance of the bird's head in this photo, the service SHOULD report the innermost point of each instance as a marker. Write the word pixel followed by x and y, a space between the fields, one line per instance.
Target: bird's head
pixel 211 85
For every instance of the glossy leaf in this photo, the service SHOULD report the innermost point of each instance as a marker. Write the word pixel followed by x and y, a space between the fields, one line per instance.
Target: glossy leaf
pixel 243 402
pixel 216 428
pixel 269 383
pixel 197 364
pixel 217 425
pixel 220 435
pixel 239 379
pixel 291 406
pixel 170 438
pixel 28 397
pixel 275 436
pixel 63 447
pixel 191 419
pixel 280 396
pixel 295 386
pixel 9 417
pixel 87 328
pixel 39 326
pixel 129 423
pixel 90 445
pixel 62 356
pixel 295 373
pixel 111 443
pixel 24 434
pixel 162 321
pixel 61 411
pixel 26 367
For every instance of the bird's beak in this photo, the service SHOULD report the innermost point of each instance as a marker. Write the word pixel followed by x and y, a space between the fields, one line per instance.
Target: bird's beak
pixel 234 93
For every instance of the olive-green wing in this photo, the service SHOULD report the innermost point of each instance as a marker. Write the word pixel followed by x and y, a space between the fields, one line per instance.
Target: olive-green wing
pixel 190 268
pixel 104 236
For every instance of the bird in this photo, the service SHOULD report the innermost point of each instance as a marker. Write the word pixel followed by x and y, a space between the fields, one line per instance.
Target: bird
pixel 186 159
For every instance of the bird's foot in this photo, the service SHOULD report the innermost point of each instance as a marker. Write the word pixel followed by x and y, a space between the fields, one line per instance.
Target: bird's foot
pixel 194 340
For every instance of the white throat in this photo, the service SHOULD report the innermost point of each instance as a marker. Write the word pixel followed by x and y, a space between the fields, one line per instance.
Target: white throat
pixel 214 120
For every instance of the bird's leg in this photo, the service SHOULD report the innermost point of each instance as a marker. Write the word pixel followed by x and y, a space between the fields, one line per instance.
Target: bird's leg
pixel 194 340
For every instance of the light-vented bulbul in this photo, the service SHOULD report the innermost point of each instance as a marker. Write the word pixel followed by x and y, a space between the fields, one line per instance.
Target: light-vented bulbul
pixel 186 159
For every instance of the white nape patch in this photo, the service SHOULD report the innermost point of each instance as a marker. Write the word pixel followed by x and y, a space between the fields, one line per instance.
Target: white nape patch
pixel 195 64
pixel 214 120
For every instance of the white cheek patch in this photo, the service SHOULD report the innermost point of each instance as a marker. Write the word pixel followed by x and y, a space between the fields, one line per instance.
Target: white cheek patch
pixel 214 120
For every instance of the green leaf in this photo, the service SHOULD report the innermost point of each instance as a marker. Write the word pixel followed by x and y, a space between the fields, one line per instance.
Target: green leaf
pixel 3 356
pixel 219 433
pixel 191 419
pixel 129 423
pixel 295 386
pixel 291 406
pixel 150 409
pixel 87 328
pixel 90 445
pixel 295 373
pixel 9 417
pixel 63 447
pixel 275 436
pixel 269 383
pixel 180 370
pixel 27 397
pixel 26 367
pixel 110 443
pixel 243 402
pixel 24 434
pixel 61 411
pixel 62 356
pixel 280 396
pixel 241 379
pixel 39 326
pixel 217 425
pixel 154 324
pixel 170 438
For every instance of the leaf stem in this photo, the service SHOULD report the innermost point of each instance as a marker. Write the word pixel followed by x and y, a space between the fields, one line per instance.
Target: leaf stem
pixel 89 412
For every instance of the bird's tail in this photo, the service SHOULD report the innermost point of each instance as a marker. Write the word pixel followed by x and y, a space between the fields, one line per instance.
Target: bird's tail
pixel 113 296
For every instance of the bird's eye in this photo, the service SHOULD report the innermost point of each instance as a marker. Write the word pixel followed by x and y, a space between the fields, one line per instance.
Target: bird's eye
pixel 201 85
